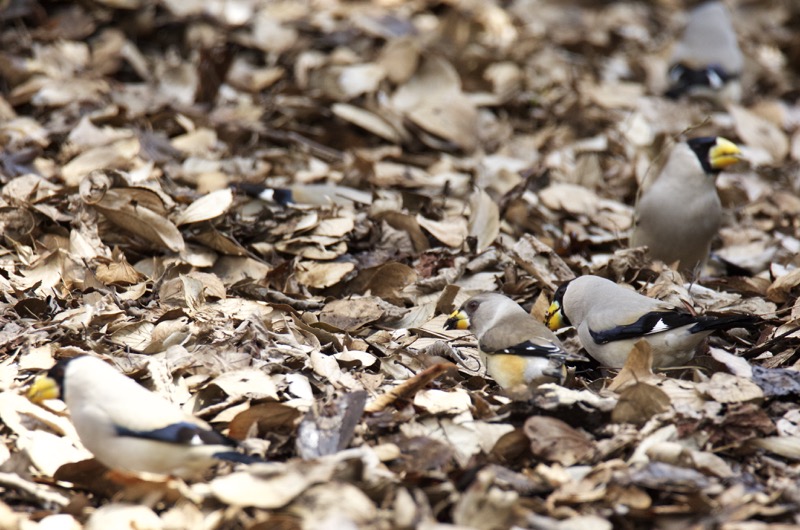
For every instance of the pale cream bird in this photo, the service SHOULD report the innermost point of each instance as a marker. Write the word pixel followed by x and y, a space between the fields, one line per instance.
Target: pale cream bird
pixel 610 319
pixel 129 428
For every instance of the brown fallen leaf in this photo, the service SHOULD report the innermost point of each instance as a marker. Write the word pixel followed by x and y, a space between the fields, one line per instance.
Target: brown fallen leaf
pixel 351 314
pixel 555 441
pixel 638 368
pixel 263 418
pixel 541 262
pixel 407 389
pixel 638 403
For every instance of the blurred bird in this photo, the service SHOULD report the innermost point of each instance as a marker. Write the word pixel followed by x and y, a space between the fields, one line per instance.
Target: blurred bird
pixel 311 194
pixel 610 319
pixel 515 347
pixel 707 60
pixel 127 427
pixel 680 213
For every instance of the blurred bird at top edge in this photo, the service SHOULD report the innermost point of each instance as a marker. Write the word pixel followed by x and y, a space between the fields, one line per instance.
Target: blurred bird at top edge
pixel 707 61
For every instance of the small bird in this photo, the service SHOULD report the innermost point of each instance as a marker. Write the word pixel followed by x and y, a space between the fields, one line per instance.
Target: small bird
pixel 707 61
pixel 610 319
pixel 309 194
pixel 679 215
pixel 129 428
pixel 515 347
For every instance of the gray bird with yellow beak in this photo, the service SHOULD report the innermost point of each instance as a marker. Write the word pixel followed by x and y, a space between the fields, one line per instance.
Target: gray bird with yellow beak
pixel 514 346
pixel 610 319
pixel 679 215
pixel 129 428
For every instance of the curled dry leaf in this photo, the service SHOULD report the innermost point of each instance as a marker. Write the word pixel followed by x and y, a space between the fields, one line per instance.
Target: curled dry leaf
pixel 269 486
pixel 263 418
pixel 206 207
pixel 555 441
pixel 117 272
pixel 638 368
pixel 440 402
pixel 785 446
pixel 367 120
pixel 124 208
pixel 452 231
pixel 540 261
pixel 758 132
pixel 245 383
pixel 124 516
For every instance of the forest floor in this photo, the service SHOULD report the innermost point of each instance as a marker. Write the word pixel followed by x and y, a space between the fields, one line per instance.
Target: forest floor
pixel 475 146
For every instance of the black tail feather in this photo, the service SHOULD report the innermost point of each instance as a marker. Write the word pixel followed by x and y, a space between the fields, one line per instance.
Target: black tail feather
pixel 710 323
pixel 238 458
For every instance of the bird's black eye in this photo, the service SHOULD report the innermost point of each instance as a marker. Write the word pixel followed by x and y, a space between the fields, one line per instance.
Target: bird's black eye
pixel 472 306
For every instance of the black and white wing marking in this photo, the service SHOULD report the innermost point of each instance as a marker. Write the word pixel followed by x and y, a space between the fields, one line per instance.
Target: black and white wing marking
pixel 183 433
pixel 647 324
pixel 531 349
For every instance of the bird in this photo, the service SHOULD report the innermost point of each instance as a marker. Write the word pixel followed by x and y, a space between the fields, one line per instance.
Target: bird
pixel 516 348
pixel 610 319
pixel 129 428
pixel 707 61
pixel 308 194
pixel 680 213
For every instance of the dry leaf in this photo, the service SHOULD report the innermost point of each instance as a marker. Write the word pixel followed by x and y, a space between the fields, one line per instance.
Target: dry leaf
pixel 638 403
pixel 207 207
pixel 555 441
pixel 638 368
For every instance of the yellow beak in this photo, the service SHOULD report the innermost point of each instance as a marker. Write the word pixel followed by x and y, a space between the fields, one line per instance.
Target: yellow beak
pixel 42 389
pixel 458 320
pixel 725 153
pixel 553 319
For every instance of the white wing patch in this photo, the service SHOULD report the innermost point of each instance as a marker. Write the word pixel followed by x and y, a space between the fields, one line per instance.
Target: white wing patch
pixel 659 327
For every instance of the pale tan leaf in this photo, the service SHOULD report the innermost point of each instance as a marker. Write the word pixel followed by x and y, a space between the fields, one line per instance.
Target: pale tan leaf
pixel 451 231
pixel 320 274
pixel 206 207
pixel 119 206
pixel 484 220
pixel 117 155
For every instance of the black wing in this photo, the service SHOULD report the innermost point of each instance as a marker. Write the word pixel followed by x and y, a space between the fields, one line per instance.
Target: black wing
pixel 649 323
pixel 531 349
pixel 183 433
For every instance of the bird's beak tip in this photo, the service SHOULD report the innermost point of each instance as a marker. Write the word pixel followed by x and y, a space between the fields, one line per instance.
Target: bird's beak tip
pixel 725 153
pixel 457 320
pixel 42 389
